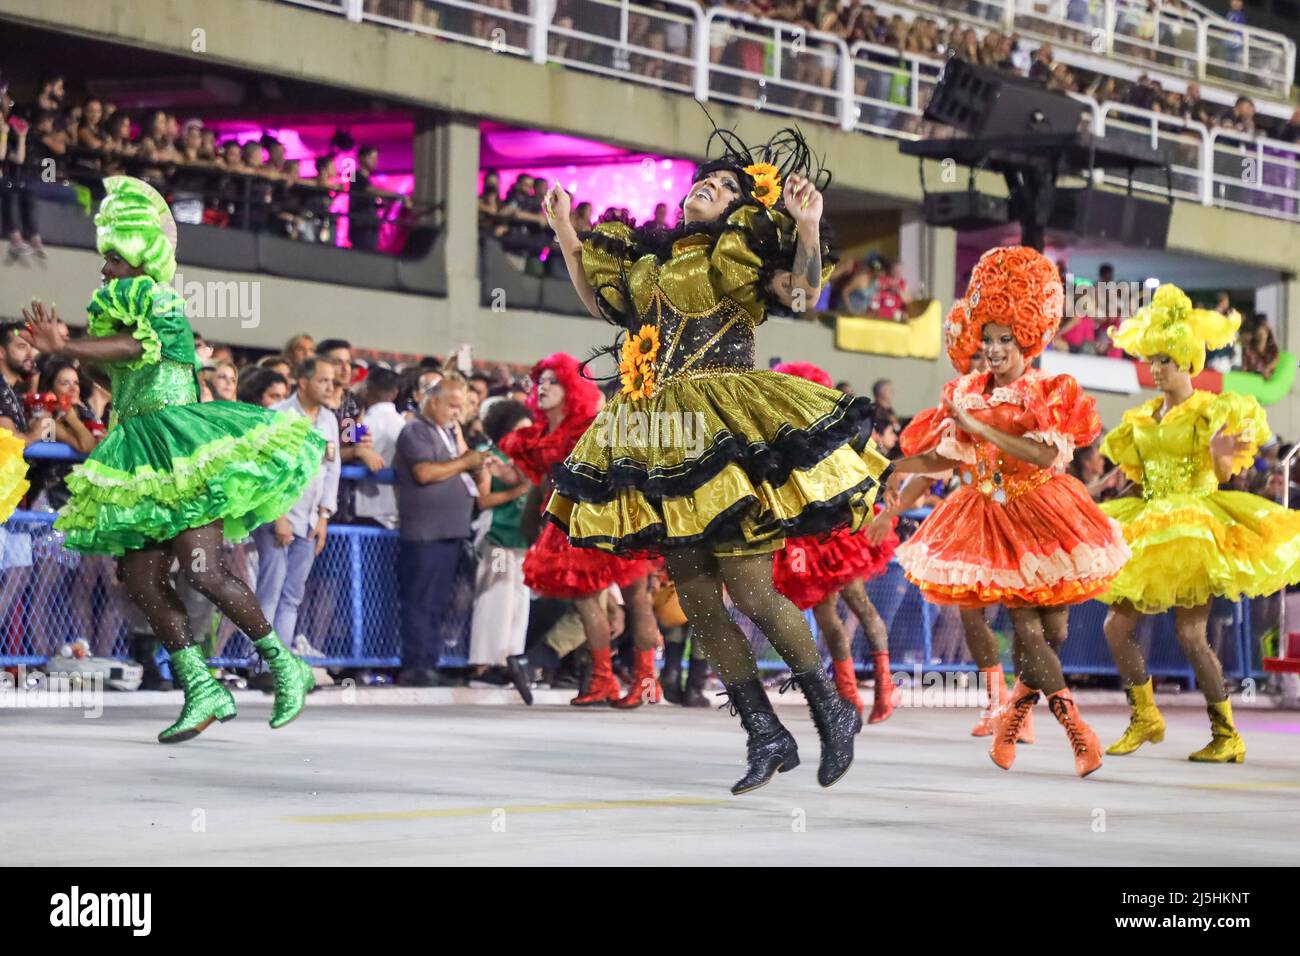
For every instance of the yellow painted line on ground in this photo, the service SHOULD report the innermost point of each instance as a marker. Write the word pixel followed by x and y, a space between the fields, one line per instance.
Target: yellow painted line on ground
pixel 1279 785
pixel 526 808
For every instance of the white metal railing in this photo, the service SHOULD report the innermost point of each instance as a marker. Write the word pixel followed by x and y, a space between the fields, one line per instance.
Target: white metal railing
pixel 772 64
pixel 631 42
pixel 1185 41
pixel 1183 140
pixel 776 66
pixel 891 90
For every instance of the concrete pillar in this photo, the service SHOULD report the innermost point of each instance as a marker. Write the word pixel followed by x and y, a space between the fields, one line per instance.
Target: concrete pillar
pixel 929 257
pixel 458 160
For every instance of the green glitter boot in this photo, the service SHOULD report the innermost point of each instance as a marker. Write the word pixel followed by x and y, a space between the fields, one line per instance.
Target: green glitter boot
pixel 293 679
pixel 205 699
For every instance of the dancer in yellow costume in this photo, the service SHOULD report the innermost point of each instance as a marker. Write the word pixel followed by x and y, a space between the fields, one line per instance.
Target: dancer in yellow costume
pixel 13 473
pixel 1191 542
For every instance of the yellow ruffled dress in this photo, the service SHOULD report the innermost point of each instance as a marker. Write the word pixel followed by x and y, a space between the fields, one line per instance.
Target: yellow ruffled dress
pixel 718 454
pixel 1191 541
pixel 13 473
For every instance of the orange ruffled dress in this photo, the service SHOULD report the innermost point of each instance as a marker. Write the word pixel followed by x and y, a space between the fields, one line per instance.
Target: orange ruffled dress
pixel 1013 533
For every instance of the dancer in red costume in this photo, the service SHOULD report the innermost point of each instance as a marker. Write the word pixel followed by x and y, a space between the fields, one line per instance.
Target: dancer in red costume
pixel 916 439
pixel 1017 532
pixel 564 404
pixel 815 571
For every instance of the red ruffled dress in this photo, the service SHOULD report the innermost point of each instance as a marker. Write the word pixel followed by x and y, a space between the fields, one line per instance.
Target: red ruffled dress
pixel 553 567
pixel 809 570
pixel 1013 533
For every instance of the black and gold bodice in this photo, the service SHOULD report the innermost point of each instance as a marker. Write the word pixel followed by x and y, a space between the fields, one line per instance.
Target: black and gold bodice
pixel 705 299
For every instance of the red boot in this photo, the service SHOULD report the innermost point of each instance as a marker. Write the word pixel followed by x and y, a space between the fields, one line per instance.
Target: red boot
pixel 883 704
pixel 644 688
pixel 1007 722
pixel 603 687
pixel 996 682
pixel 1087 750
pixel 846 683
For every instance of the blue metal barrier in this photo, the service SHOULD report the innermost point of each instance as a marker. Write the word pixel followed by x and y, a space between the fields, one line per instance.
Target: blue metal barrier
pixel 50 596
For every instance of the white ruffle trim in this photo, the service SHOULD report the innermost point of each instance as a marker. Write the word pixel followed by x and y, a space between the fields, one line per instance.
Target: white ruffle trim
pixel 953 448
pixel 1084 563
pixel 1063 444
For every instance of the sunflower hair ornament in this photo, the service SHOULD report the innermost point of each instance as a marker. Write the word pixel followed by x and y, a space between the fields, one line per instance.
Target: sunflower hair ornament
pixel 135 222
pixel 767 183
pixel 1171 326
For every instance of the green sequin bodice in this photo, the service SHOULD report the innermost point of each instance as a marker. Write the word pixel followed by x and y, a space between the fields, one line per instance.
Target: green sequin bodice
pixel 139 391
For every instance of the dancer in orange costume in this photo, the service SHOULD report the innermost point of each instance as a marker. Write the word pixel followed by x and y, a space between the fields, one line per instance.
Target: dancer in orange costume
pixel 918 438
pixel 1017 532
pixel 564 404
pixel 815 571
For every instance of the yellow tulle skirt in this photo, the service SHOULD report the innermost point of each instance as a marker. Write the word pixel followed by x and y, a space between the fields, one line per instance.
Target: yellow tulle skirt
pixel 13 473
pixel 1188 549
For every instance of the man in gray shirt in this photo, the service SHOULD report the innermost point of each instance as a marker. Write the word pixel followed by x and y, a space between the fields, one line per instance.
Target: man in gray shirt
pixel 287 547
pixel 435 505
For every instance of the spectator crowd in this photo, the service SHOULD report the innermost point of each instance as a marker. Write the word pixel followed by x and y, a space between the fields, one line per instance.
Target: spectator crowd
pixel 55 139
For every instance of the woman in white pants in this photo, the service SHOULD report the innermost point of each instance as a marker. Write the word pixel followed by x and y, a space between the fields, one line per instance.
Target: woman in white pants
pixel 500 621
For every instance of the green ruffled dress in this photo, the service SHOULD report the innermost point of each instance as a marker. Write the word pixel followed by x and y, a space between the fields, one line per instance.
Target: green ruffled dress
pixel 169 463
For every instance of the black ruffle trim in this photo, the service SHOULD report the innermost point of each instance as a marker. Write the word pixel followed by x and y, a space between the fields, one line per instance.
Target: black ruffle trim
pixel 818 519
pixel 762 461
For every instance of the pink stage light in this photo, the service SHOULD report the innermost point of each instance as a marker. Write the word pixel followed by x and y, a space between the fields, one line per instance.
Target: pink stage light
pixel 638 183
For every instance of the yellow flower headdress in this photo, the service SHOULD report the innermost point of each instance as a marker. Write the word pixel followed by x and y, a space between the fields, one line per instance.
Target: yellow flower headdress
pixel 767 183
pixel 1170 326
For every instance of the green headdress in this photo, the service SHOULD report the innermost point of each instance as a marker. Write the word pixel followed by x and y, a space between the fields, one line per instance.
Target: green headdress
pixel 134 222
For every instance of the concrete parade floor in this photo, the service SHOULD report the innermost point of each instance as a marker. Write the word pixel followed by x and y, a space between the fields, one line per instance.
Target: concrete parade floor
pixel 468 784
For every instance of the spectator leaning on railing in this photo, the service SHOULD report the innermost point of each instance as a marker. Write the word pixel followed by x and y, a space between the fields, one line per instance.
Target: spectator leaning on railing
pixel 17 368
pixel 287 547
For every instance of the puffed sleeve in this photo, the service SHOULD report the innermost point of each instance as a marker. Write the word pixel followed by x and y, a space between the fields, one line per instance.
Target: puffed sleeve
pixel 152 313
pixel 934 430
pixel 755 245
pixel 1065 416
pixel 606 259
pixel 1120 446
pixel 1239 415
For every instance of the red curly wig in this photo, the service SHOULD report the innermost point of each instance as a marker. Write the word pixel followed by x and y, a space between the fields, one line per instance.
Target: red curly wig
pixel 581 395
pixel 1010 285
pixel 804 370
pixel 538 448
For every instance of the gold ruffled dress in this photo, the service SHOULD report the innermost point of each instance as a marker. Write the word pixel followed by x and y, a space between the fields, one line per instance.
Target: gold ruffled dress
pixel 719 455
pixel 1191 541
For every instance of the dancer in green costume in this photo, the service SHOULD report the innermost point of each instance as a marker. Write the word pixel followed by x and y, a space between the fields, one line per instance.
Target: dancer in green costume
pixel 172 474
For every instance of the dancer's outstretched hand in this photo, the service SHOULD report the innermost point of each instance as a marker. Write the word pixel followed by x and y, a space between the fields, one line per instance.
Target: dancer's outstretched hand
pixel 803 201
pixel 556 205
pixel 45 331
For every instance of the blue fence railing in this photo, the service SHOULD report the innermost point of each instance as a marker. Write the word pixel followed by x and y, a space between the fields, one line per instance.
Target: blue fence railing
pixel 50 596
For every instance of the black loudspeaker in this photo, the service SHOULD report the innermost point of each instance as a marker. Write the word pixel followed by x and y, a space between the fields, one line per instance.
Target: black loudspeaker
pixel 983 103
pixel 1114 217
pixel 963 209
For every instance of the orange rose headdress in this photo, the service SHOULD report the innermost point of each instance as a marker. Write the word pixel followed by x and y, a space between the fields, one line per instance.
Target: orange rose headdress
pixel 1010 285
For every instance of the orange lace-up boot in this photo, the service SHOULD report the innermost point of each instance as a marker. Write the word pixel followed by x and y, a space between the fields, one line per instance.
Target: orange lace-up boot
pixel 1008 721
pixel 1087 749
